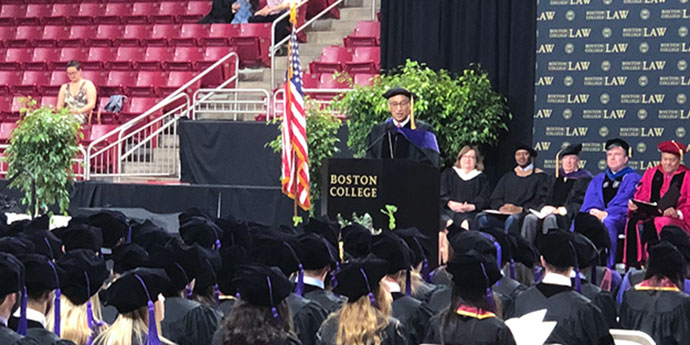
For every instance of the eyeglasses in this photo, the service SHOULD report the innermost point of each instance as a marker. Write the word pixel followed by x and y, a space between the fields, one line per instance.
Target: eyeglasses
pixel 401 104
pixel 70 74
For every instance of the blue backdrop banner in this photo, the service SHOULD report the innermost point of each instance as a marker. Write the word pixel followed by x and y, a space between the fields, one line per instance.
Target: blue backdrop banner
pixel 611 68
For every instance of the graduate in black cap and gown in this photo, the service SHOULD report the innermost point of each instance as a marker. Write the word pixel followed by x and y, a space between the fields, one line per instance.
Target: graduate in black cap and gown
pixel 465 189
pixel 11 286
pixel 579 321
pixel 401 136
pixel 564 196
pixel 516 192
pixel 471 318
pixel 318 258
pixel 507 287
pixel 41 282
pixel 657 305
pixel 137 295
pixel 413 313
pixel 261 316
pixel 419 244
pixel 366 317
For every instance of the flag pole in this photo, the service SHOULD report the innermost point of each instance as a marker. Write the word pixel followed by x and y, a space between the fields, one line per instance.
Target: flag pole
pixel 293 22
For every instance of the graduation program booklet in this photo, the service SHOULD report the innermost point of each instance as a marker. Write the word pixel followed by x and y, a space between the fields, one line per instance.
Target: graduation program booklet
pixel 498 213
pixel 531 329
pixel 648 208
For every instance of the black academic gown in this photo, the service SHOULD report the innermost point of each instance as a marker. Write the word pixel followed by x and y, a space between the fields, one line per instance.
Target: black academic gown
pixel 424 291
pixel 474 191
pixel 307 317
pixel 10 337
pixel 381 139
pixel 327 299
pixel 579 321
pixel 413 314
pixel 660 314
pixel 393 334
pixel 38 333
pixel 508 290
pixel 569 193
pixel 187 322
pixel 602 299
pixel 467 330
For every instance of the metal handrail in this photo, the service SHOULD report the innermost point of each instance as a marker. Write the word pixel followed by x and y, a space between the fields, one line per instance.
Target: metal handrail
pixel 204 97
pixel 275 46
pixel 276 101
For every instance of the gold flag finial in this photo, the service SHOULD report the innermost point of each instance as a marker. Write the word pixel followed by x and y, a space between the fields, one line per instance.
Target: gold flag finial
pixel 412 124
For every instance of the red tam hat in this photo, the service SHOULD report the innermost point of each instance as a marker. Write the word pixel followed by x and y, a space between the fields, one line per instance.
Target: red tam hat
pixel 672 146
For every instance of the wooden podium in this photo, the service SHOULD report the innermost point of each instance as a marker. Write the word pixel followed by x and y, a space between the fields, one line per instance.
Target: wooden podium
pixel 368 185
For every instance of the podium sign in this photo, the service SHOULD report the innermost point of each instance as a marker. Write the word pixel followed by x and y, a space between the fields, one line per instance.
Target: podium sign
pixel 368 185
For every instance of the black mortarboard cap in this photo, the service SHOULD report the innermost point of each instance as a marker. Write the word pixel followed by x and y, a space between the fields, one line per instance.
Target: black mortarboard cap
pixel 417 242
pixel 390 247
pixel 501 239
pixel 149 235
pixel 193 212
pixel 356 240
pixel 587 253
pixel 453 230
pixel 557 249
pixel 262 286
pixel 84 274
pixel 465 241
pixel 274 248
pixel 592 228
pixel 233 257
pixel 11 274
pixel 129 256
pixel 665 260
pixel 207 273
pixel 474 271
pixel 397 91
pixel 127 293
pixel 180 261
pixel 40 276
pixel 360 277
pixel 317 252
pixel 615 142
pixel 570 150
pixel 523 251
pixel 324 227
pixel 114 227
pixel 235 233
pixel 16 245
pixel 676 236
pixel 45 243
pixel 80 236
pixel 528 148
pixel 202 231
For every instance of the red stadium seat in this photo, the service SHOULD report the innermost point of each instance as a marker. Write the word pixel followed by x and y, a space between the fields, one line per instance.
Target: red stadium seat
pixel 62 14
pixel 191 35
pixel 5 106
pixel 364 60
pixel 15 58
pixel 32 82
pixel 327 81
pixel 126 58
pixel 163 34
pixel 169 12
pixel 118 81
pixel 107 117
pixel 134 35
pixel 96 131
pixel 8 13
pixel 79 35
pixel 156 58
pixel 220 74
pixel 194 11
pixel 148 83
pixel 25 35
pixel 8 79
pixel 52 36
pixel 57 79
pixel 220 34
pixel 177 79
pixel 115 13
pixel 98 57
pixel 310 81
pixel 185 58
pixel 6 34
pixel 72 53
pixel 6 127
pixel 366 34
pixel 48 101
pixel 43 59
pixel 35 14
pixel 88 13
pixel 331 60
pixel 137 106
pixel 107 35
pixel 253 43
pixel 143 12
pixel 364 79
pixel 97 77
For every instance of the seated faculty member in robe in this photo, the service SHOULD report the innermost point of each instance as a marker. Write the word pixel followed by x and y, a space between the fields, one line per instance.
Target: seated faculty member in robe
pixel 464 189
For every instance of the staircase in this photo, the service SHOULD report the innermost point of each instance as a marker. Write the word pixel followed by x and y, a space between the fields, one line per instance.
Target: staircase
pixel 322 33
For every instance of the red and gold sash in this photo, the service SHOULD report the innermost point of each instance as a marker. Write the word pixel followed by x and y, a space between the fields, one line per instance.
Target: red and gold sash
pixel 663 284
pixel 474 312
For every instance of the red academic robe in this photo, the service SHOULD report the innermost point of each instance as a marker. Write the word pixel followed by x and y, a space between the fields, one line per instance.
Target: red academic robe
pixel 651 190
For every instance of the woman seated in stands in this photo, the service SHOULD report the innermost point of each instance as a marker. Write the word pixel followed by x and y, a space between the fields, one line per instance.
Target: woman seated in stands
pixel 79 95
pixel 464 189
pixel 271 12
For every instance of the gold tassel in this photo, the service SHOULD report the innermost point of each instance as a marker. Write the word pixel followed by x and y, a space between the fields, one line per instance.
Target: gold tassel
pixel 558 161
pixel 412 124
pixel 679 150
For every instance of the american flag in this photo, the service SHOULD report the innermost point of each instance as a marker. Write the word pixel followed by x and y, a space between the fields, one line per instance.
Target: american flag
pixel 295 170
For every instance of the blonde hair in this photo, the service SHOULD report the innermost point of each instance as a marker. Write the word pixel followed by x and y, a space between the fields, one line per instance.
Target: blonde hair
pixel 128 326
pixel 467 148
pixel 360 322
pixel 73 320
